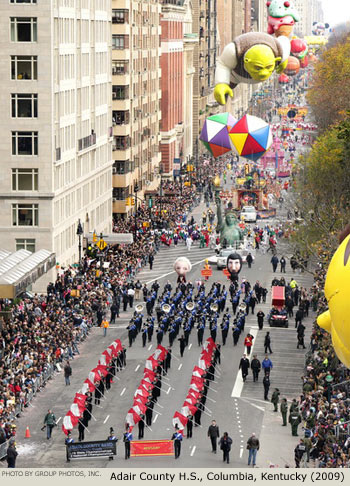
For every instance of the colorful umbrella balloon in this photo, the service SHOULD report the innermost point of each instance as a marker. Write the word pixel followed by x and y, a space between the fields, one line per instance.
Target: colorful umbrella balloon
pixel 214 134
pixel 251 137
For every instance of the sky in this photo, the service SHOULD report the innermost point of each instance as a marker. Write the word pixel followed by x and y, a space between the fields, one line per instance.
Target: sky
pixel 336 11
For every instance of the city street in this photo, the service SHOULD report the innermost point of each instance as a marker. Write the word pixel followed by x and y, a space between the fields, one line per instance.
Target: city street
pixel 239 410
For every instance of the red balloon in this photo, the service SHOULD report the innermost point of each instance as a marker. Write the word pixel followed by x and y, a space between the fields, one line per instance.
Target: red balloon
pixel 293 66
pixel 305 62
pixel 297 46
pixel 283 79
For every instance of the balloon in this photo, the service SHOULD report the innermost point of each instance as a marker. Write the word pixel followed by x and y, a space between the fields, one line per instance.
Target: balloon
pixel 182 266
pixel 282 16
pixel 234 265
pixel 283 79
pixel 337 290
pixel 251 137
pixel 293 66
pixel 298 48
pixel 251 59
pixel 214 134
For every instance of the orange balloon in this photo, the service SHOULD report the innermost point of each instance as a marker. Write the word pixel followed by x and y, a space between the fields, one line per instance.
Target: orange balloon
pixel 293 66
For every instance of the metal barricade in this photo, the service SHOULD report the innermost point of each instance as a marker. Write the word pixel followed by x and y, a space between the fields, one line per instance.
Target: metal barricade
pixel 3 449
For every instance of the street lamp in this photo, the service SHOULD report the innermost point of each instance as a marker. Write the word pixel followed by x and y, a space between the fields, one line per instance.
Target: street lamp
pixel 79 233
pixel 136 190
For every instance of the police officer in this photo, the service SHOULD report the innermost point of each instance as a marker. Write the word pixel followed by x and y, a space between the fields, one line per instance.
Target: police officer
pixel 284 411
pixel 294 420
pixel 299 452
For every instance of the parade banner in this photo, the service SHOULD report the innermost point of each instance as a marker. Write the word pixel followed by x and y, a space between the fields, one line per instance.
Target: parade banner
pixel 98 448
pixel 141 448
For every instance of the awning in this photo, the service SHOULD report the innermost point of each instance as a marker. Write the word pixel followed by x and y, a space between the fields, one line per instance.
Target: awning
pixel 22 268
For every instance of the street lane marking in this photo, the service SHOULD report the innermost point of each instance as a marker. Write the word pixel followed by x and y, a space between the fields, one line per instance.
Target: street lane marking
pixel 106 419
pixel 190 346
pixel 123 391
pixel 137 367
pixel 155 418
pixel 180 366
pixel 239 383
pixel 58 420
pixel 150 346
pixel 241 453
pixel 193 450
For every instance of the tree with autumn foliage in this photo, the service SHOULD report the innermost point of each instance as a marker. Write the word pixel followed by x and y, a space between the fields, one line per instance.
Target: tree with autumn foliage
pixel 329 94
pixel 323 191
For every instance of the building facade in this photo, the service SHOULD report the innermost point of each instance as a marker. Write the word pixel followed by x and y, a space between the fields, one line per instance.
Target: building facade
pixel 56 146
pixel 136 95
pixel 310 11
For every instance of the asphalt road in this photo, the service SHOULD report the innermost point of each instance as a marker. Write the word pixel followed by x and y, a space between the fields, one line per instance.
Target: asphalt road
pixel 239 410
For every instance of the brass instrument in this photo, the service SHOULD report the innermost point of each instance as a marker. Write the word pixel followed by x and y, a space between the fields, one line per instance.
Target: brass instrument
pixel 166 308
pixel 214 307
pixel 189 306
pixel 139 308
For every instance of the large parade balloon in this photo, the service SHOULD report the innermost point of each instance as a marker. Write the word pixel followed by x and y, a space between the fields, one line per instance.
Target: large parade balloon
pixel 214 134
pixel 251 137
pixel 337 290
pixel 283 79
pixel 304 62
pixel 251 58
pixel 182 266
pixel 298 48
pixel 282 16
pixel 293 66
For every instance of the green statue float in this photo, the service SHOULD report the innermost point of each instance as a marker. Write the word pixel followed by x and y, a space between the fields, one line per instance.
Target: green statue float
pixel 230 233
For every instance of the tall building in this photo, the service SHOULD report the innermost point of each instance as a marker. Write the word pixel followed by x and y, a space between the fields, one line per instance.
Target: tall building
pixel 310 11
pixel 205 54
pixel 172 83
pixel 136 98
pixel 56 123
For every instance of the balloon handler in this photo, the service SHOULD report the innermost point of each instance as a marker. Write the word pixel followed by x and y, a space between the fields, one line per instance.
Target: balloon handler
pixel 251 58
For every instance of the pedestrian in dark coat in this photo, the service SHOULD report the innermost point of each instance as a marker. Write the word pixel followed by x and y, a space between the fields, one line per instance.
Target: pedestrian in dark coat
pixel 255 366
pixel 283 264
pixel 189 426
pixel 299 317
pixel 274 261
pixel 244 366
pixel 182 341
pixel 267 343
pixel 127 438
pixel 266 383
pixel 141 425
pixel 260 316
pixel 177 438
pixel 11 455
pixel 150 261
pixel 225 446
pixel 249 260
pixel 213 434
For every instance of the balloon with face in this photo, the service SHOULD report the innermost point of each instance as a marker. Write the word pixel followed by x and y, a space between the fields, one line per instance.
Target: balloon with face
pixel 182 266
pixel 234 266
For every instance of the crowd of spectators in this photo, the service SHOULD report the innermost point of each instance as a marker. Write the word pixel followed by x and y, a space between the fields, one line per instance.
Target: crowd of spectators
pixel 44 330
pixel 325 400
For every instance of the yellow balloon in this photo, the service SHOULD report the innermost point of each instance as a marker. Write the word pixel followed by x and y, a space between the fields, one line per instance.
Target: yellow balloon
pixel 337 290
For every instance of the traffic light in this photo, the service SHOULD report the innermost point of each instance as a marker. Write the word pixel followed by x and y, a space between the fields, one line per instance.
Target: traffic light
pixel 132 199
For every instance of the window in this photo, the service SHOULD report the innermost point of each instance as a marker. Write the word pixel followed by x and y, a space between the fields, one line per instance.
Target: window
pixel 120 92
pixel 120 193
pixel 24 143
pixel 25 244
pixel 22 1
pixel 121 143
pixel 24 67
pixel 25 215
pixel 25 179
pixel 24 105
pixel 23 29
pixel 120 117
pixel 120 42
pixel 120 67
pixel 120 16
